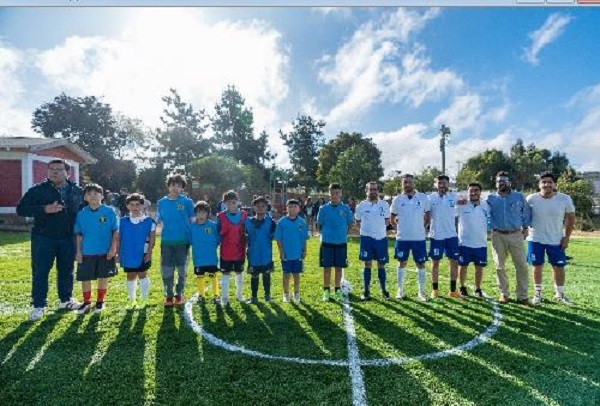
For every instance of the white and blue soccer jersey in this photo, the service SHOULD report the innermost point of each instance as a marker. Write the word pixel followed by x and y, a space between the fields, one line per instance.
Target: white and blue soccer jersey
pixel 333 221
pixel 293 235
pixel 260 235
pixel 472 224
pixel 205 241
pixel 411 213
pixel 443 216
pixel 134 233
pixel 176 215
pixel 96 227
pixel 372 217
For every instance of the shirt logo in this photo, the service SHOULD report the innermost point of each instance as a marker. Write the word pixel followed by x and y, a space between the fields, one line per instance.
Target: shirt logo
pixel 208 231
pixel 180 206
pixel 102 219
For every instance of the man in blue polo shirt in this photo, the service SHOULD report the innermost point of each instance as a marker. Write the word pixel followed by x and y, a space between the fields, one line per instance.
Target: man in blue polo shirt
pixel 510 216
pixel 334 221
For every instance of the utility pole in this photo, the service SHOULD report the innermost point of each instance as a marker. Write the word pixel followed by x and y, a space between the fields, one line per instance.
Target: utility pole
pixel 459 164
pixel 444 137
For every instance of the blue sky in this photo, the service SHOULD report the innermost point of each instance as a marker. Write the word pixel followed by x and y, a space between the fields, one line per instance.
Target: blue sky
pixel 491 74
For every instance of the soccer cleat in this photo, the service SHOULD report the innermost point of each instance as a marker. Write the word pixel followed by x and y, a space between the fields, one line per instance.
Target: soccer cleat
pixel 240 297
pixel 399 294
pixel 296 297
pixel 100 307
pixel 179 300
pixel 435 293
pixel 524 302
pixel 286 298
pixel 564 300
pixel 365 297
pixel 224 301
pixel 480 294
pixel 70 304
pixel 537 300
pixel 252 300
pixel 503 299
pixel 143 303
pixel 326 295
pixel 454 295
pixel 131 303
pixel 339 295
pixel 168 302
pixel 463 291
pixel 84 308
pixel 216 300
pixel 201 300
pixel 36 313
pixel 422 296
pixel 386 295
pixel 268 298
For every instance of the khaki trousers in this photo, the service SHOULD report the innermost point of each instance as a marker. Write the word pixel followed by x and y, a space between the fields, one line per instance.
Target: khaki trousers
pixel 502 246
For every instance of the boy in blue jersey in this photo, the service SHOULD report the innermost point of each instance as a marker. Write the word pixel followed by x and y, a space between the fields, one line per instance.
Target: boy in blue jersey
pixel 291 235
pixel 96 231
pixel 137 234
pixel 334 221
pixel 205 240
pixel 260 230
pixel 176 213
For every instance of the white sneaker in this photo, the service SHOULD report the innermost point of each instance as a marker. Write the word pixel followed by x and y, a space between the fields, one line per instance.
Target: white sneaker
pixel 224 301
pixel 100 307
pixel 564 300
pixel 422 296
pixel 240 297
pixel 84 308
pixel 537 300
pixel 286 298
pixel 70 304
pixel 297 297
pixel 36 313
pixel 400 294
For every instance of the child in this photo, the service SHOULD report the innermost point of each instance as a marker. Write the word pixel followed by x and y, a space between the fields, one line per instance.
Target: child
pixel 230 224
pixel 205 240
pixel 259 232
pixel 137 234
pixel 176 213
pixel 334 221
pixel 291 235
pixel 97 234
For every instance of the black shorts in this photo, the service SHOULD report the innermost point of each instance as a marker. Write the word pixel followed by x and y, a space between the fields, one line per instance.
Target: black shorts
pixel 95 267
pixel 333 255
pixel 257 270
pixel 142 268
pixel 201 270
pixel 228 266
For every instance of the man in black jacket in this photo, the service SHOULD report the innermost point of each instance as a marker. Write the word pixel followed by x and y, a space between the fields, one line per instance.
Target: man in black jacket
pixel 53 204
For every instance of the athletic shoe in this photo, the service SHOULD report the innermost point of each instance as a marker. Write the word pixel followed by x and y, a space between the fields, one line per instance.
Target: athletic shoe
pixel 201 300
pixel 296 297
pixel 365 297
pixel 84 308
pixel 168 302
pixel 503 299
pixel 386 295
pixel 537 300
pixel 216 300
pixel 131 303
pixel 524 302
pixel 252 300
pixel 480 294
pixel 454 295
pixel 463 291
pixel 435 293
pixel 179 300
pixel 286 298
pixel 422 296
pixel 564 300
pixel 399 294
pixel 224 301
pixel 326 296
pixel 142 303
pixel 70 304
pixel 268 298
pixel 240 297
pixel 339 296
pixel 99 307
pixel 36 313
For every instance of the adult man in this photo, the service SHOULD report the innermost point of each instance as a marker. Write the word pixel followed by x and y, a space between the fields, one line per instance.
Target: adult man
pixel 53 204
pixel 472 237
pixel 411 213
pixel 550 212
pixel 442 235
pixel 510 216
pixel 373 216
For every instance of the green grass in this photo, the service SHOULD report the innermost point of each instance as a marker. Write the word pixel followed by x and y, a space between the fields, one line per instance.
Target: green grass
pixel 546 355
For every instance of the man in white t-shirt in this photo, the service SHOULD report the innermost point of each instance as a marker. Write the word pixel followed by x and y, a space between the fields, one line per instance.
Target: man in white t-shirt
pixel 443 239
pixel 472 237
pixel 552 221
pixel 373 215
pixel 411 213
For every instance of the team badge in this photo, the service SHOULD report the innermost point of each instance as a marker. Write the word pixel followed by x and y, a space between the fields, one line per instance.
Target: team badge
pixel 180 206
pixel 102 219
pixel 208 231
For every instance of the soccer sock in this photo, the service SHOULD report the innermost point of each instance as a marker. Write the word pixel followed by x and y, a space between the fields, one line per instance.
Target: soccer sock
pixel 214 284
pixel 400 276
pixel 327 288
pixel 382 278
pixel 560 290
pixel 435 286
pixel 201 285
pixel 254 285
pixel 145 287
pixel 239 283
pixel 337 288
pixel 421 278
pixel 131 286
pixel 100 295
pixel 453 286
pixel 366 275
pixel 538 289
pixel 87 296
pixel 225 286
pixel 267 283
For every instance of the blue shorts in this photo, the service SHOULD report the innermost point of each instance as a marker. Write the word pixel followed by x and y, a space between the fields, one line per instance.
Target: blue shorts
pixel 536 253
pixel 448 247
pixel 371 249
pixel 403 248
pixel 478 256
pixel 333 255
pixel 292 266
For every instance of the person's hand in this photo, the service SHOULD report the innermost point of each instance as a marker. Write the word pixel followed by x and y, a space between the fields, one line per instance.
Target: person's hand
pixel 147 257
pixel 111 253
pixel 525 232
pixel 79 258
pixel 462 200
pixel 53 208
pixel 564 243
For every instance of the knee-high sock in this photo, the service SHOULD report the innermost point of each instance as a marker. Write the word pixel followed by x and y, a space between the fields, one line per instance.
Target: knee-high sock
pixel 254 280
pixel 382 278
pixel 267 283
pixel 131 287
pixel 225 286
pixel 145 287
pixel 366 276
pixel 201 285
pixel 400 274
pixel 421 278
pixel 214 284
pixel 239 283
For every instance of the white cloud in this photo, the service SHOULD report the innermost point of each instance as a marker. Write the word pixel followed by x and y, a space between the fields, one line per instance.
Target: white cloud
pixel 175 48
pixel 553 27
pixel 13 119
pixel 467 113
pixel 379 63
pixel 339 12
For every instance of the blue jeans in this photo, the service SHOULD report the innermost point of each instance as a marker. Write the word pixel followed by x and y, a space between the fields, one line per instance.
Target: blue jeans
pixel 44 250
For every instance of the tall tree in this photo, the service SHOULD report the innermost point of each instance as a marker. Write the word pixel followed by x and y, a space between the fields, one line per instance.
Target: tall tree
pixel 581 191
pixel 483 168
pixel 331 151
pixel 353 169
pixel 181 140
pixel 425 179
pixel 233 128
pixel 303 143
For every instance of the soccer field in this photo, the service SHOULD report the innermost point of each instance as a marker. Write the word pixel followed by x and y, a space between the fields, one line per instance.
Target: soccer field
pixel 442 352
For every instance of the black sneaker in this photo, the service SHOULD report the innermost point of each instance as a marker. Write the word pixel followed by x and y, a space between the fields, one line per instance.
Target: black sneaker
pixel 99 307
pixel 463 291
pixel 386 295
pixel 365 297
pixel 479 293
pixel 252 300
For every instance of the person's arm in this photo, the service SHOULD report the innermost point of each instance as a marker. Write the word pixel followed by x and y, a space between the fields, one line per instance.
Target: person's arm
pixel 112 251
pixel 281 252
pixel 148 255
pixel 427 219
pixel 393 219
pixel 569 224
pixel 526 216
pixel 78 254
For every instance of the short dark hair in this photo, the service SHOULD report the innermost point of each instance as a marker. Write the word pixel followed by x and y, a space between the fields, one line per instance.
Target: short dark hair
pixel 502 173
pixel 407 175
pixel 548 175
pixel 259 199
pixel 230 195
pixel 60 161
pixel 476 184
pixel 443 177
pixel 176 178
pixel 334 186
pixel 291 202
pixel 134 197
pixel 202 205
pixel 93 187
